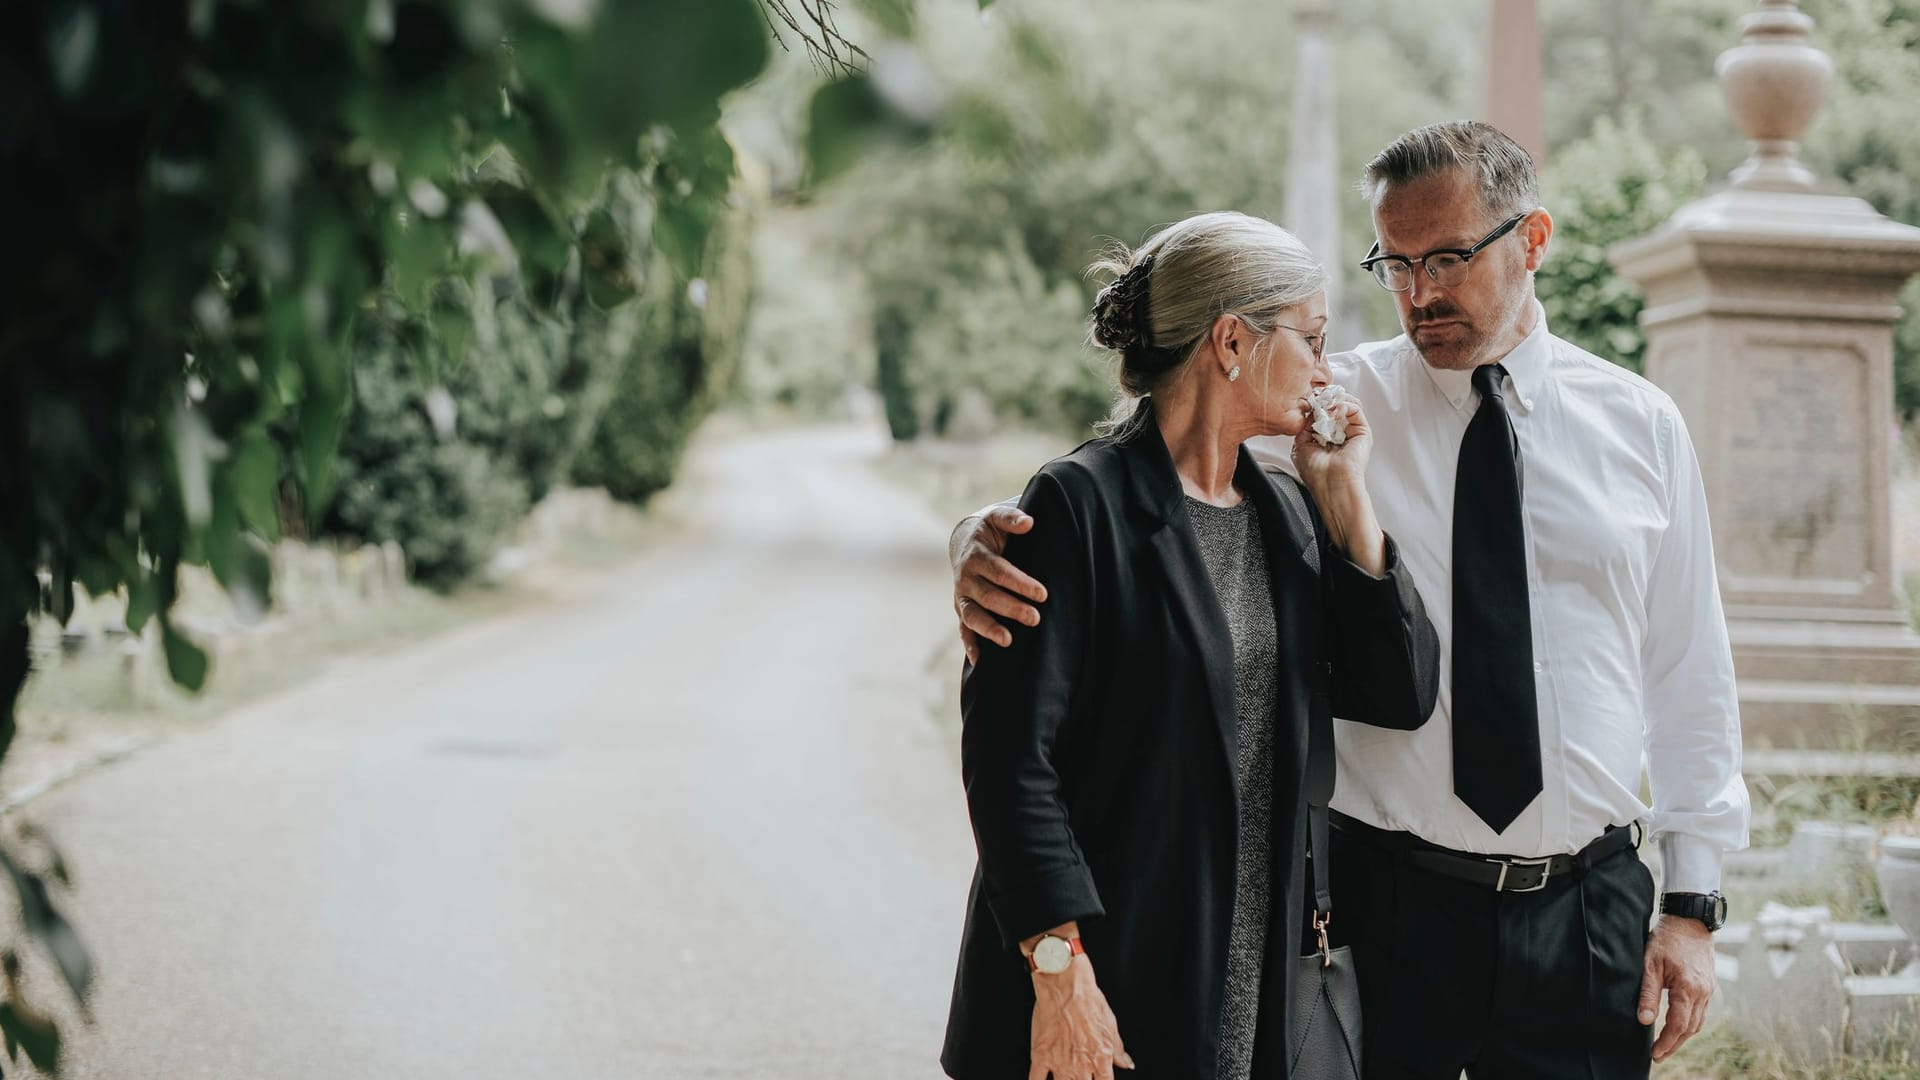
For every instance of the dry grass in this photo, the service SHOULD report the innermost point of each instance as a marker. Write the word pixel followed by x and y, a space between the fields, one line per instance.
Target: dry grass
pixel 1715 1054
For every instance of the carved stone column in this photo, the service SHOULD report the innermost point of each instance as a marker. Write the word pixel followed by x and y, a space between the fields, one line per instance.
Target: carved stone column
pixel 1512 97
pixel 1769 318
pixel 1314 185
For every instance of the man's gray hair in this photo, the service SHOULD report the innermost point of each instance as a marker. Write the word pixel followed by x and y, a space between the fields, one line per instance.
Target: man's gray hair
pixel 1503 171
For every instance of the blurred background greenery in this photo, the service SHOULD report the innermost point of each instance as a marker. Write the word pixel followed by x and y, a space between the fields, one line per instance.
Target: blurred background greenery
pixel 382 270
pixel 949 274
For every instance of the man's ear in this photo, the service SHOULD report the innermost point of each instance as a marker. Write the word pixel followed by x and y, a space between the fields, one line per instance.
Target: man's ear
pixel 1538 232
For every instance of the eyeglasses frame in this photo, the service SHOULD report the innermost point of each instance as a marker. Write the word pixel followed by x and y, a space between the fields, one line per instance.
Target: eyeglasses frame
pixel 1375 257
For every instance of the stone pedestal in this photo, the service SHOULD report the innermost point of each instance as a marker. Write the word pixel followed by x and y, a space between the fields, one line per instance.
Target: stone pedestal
pixel 1769 317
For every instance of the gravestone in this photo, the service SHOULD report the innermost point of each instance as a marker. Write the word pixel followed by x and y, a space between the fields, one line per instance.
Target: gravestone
pixel 1769 317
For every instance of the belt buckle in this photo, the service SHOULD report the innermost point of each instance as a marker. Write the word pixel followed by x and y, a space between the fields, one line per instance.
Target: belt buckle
pixel 1508 864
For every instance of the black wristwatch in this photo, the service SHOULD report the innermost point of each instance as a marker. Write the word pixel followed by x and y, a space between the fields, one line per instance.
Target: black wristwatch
pixel 1709 908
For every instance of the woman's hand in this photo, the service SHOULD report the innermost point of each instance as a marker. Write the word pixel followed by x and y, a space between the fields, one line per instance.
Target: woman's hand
pixel 1324 468
pixel 1075 1034
pixel 1336 477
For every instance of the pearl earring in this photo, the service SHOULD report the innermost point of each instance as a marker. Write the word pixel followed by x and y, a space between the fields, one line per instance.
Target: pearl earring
pixel 1234 374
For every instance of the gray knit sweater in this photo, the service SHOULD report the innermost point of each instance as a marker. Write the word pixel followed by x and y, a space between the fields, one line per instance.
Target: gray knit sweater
pixel 1235 555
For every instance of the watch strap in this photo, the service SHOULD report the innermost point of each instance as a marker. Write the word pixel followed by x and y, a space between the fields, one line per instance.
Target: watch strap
pixel 1710 909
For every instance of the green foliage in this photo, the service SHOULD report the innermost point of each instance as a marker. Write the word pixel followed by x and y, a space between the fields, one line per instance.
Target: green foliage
pixel 1866 137
pixel 974 247
pixel 1649 61
pixel 28 1032
pixel 1613 185
pixel 842 115
pixel 42 920
pixel 683 357
pixel 446 499
pixel 806 339
pixel 212 196
pixel 523 385
pixel 1058 131
pixel 1906 354
pixel 661 394
pixel 216 191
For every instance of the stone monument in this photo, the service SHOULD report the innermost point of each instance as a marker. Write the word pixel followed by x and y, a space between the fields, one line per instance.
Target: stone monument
pixel 1511 91
pixel 1312 208
pixel 1769 315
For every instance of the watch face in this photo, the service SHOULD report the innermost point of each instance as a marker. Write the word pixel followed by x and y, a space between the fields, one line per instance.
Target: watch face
pixel 1052 955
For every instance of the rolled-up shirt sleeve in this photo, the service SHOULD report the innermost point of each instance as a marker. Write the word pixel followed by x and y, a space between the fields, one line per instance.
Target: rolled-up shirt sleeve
pixel 1700 805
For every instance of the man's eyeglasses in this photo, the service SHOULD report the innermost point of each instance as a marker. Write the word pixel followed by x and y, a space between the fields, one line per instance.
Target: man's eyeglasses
pixel 1446 266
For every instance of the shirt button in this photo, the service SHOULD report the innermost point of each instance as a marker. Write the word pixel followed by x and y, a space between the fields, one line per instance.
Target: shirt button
pixel 1528 402
pixel 1539 666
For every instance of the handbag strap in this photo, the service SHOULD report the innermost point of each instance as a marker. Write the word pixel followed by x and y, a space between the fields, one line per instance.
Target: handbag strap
pixel 1320 756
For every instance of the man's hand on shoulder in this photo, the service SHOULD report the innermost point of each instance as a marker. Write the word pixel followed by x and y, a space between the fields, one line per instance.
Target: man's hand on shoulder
pixel 985 584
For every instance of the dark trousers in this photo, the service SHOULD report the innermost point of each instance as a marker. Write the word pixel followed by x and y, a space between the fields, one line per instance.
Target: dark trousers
pixel 1454 976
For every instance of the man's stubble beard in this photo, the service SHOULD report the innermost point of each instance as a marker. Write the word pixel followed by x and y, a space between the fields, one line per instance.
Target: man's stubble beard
pixel 1459 355
pixel 1471 350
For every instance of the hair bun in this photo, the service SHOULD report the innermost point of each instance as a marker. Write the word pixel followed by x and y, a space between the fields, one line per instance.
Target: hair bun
pixel 1119 311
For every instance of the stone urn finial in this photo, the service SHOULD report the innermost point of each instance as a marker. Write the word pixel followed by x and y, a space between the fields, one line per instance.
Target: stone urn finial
pixel 1774 82
pixel 1316 12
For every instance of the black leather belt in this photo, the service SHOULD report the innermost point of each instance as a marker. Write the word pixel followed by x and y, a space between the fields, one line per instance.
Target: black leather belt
pixel 1501 873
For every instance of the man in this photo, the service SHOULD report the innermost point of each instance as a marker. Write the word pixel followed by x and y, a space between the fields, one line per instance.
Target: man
pixel 1550 508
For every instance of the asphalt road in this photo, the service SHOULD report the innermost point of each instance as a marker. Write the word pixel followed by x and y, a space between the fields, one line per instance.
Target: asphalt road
pixel 696 823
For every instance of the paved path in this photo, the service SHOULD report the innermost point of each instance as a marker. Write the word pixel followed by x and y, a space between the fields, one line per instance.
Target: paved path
pixel 698 825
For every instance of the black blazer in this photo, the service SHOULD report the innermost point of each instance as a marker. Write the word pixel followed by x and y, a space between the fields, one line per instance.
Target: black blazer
pixel 1098 752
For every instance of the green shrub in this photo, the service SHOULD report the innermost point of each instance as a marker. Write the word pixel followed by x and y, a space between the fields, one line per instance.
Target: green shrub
pixel 445 497
pixel 1611 186
pixel 528 378
pixel 684 355
pixel 1003 339
pixel 1906 354
pixel 1059 134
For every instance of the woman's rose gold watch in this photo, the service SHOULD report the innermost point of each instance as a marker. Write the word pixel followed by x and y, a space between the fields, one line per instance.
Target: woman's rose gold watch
pixel 1052 955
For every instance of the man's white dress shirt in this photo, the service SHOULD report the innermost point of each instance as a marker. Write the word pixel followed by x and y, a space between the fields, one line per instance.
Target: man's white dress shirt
pixel 1630 655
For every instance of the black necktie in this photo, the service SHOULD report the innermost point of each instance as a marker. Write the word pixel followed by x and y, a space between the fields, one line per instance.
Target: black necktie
pixel 1496 721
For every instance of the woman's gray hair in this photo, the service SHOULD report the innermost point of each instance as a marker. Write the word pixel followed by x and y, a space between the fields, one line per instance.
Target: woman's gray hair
pixel 1502 171
pixel 1166 295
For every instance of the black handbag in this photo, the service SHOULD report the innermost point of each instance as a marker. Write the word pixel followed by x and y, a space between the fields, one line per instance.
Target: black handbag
pixel 1326 996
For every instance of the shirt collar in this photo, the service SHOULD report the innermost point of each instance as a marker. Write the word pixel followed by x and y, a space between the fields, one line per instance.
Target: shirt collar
pixel 1526 371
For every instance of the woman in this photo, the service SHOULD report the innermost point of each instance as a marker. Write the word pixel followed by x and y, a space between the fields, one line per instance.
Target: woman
pixel 1134 764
